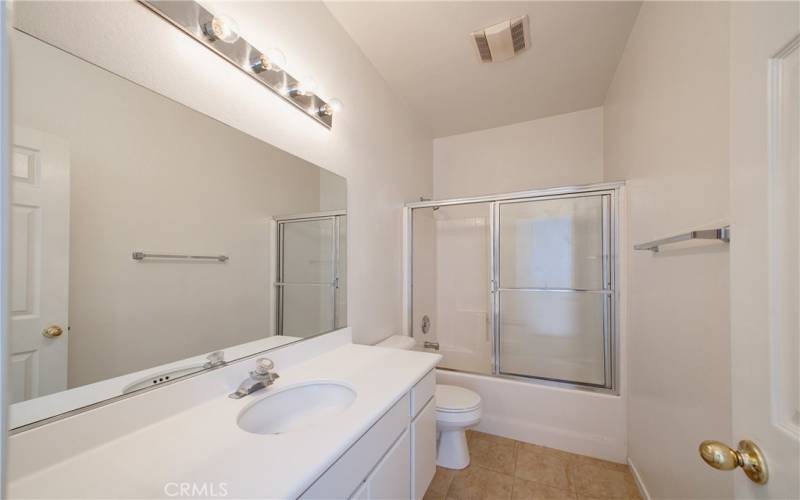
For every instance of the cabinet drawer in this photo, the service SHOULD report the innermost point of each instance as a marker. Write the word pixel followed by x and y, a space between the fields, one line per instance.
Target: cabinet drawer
pixel 345 475
pixel 422 392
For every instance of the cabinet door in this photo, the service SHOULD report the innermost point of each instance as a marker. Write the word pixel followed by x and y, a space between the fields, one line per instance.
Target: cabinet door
pixel 423 451
pixel 347 473
pixel 391 479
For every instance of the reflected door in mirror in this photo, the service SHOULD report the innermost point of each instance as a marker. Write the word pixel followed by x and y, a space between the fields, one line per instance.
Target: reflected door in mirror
pixel 39 264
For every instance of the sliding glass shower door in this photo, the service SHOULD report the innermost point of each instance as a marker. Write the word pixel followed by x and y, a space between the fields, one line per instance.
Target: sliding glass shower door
pixel 518 286
pixel 554 289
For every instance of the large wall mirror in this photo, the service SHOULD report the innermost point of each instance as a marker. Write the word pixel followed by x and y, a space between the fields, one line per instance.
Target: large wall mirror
pixel 148 237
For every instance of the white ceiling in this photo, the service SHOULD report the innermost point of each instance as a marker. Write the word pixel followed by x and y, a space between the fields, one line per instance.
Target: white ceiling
pixel 425 53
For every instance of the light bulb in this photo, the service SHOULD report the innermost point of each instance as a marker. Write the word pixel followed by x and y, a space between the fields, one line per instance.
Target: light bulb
pixel 270 60
pixel 222 28
pixel 305 86
pixel 276 57
pixel 331 107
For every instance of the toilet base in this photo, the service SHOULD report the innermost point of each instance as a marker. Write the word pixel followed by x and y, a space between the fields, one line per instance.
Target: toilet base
pixel 452 451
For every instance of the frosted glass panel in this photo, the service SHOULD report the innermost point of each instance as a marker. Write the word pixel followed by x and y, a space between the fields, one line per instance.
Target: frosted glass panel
pixel 553 335
pixel 451 274
pixel 307 310
pixel 553 243
pixel 308 251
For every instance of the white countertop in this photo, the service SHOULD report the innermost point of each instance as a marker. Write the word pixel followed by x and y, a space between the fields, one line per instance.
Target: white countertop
pixel 204 445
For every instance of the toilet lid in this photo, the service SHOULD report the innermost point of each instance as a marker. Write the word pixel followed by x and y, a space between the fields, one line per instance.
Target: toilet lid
pixel 452 398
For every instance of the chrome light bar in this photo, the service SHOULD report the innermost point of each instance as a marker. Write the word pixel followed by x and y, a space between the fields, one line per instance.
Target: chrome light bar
pixel 217 34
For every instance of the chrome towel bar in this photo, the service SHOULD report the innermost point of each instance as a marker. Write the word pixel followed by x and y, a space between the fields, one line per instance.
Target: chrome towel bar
pixel 145 255
pixel 720 233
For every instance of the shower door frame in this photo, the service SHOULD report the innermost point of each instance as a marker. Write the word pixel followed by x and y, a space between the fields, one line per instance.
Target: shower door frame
pixel 612 316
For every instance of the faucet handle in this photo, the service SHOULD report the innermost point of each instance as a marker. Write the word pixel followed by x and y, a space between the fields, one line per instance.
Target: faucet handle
pixel 264 365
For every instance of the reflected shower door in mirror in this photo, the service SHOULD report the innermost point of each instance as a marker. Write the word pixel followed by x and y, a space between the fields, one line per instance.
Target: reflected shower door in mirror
pixel 311 260
pixel 144 238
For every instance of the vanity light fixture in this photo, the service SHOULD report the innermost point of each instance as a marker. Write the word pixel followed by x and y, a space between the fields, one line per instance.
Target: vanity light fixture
pixel 305 87
pixel 222 28
pixel 270 60
pixel 331 107
pixel 266 67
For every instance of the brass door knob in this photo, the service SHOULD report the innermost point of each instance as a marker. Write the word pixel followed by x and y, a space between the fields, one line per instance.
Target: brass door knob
pixel 52 331
pixel 748 457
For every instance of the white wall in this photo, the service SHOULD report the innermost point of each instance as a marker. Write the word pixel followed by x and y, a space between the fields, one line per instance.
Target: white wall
pixel 560 150
pixel 384 154
pixel 180 183
pixel 666 134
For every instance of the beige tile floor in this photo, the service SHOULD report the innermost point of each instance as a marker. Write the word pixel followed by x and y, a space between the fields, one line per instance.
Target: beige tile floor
pixel 505 469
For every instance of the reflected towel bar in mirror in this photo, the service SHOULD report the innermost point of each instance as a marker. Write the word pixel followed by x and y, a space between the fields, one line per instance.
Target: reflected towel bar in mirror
pixel 720 233
pixel 146 255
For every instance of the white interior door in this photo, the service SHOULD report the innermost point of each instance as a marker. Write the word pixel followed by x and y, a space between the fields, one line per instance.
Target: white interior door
pixel 39 264
pixel 765 244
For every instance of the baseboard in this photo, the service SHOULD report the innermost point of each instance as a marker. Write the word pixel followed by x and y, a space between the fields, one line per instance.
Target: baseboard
pixel 553 437
pixel 639 483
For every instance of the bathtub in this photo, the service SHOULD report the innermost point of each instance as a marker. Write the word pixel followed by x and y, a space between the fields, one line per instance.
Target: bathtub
pixel 583 422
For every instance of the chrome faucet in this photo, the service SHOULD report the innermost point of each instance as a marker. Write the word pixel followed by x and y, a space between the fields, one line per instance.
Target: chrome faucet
pixel 260 378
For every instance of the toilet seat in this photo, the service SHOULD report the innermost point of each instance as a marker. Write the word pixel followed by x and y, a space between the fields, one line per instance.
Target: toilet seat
pixel 452 399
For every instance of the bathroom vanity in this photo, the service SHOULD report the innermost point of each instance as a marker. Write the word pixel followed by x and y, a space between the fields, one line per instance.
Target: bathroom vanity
pixel 371 436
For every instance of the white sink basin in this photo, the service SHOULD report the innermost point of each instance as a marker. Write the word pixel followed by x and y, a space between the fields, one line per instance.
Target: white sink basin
pixel 296 408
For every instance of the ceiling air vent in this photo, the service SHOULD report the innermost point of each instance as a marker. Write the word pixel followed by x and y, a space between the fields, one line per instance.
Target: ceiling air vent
pixel 503 40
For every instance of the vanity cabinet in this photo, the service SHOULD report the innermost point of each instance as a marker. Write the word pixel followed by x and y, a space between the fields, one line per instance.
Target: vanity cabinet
pixel 395 459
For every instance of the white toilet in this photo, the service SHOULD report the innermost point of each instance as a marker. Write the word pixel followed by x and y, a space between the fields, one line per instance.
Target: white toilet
pixel 456 410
